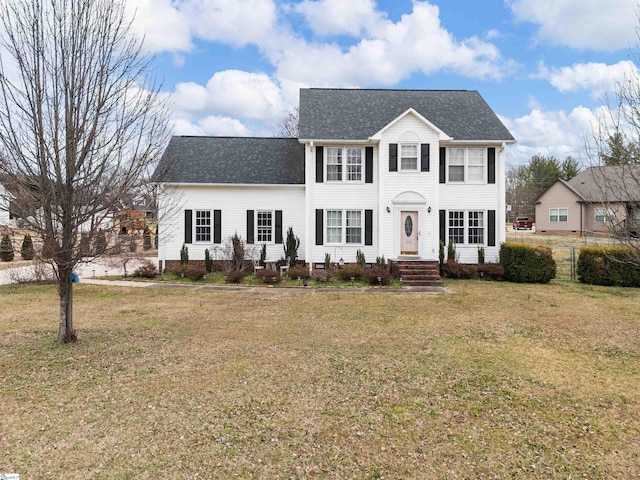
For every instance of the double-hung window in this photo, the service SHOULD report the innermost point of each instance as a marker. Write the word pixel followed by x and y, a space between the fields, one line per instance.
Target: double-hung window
pixel 344 164
pixel 456 226
pixel 203 225
pixel 467 165
pixel 476 227
pixel 466 227
pixel 334 226
pixel 344 226
pixel 456 164
pixel 354 164
pixel 265 226
pixel 409 157
pixel 558 214
pixel 334 164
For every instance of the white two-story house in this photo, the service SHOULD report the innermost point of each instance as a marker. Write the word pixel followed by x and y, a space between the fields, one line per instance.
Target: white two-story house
pixel 389 172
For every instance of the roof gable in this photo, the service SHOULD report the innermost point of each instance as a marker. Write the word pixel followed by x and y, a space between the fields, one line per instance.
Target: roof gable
pixel 232 160
pixel 442 136
pixel 346 114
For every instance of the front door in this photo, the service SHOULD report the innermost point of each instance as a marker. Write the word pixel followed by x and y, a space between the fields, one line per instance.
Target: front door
pixel 409 233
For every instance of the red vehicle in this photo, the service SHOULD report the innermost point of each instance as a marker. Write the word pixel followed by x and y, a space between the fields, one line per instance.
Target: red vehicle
pixel 522 223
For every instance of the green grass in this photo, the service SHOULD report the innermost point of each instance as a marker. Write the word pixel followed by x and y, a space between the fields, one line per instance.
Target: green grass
pixel 496 380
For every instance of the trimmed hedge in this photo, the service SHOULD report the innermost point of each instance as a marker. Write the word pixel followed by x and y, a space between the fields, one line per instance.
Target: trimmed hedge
pixel 527 263
pixel 609 266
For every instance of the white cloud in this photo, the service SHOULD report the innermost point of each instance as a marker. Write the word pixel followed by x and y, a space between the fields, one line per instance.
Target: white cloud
pixel 162 25
pixel 594 24
pixel 556 133
pixel 338 17
pixel 211 125
pixel 417 42
pixel 596 78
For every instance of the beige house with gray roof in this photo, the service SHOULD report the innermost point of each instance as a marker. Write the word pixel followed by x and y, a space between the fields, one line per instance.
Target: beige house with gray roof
pixel 601 199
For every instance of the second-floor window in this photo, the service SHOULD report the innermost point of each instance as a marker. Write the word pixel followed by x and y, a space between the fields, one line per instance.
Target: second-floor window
pixel 344 164
pixel 409 157
pixel 467 165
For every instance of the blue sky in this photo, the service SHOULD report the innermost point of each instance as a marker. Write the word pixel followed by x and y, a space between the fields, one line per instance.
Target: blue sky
pixel 233 67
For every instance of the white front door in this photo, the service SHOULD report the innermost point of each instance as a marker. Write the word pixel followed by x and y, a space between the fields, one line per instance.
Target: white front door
pixel 409 233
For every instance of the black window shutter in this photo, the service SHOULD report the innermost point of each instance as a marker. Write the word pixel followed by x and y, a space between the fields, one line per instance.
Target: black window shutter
pixel 443 165
pixel 217 226
pixel 491 226
pixel 393 157
pixel 424 157
pixel 278 234
pixel 368 227
pixel 491 165
pixel 319 164
pixel 368 165
pixel 249 226
pixel 319 225
pixel 443 226
pixel 188 226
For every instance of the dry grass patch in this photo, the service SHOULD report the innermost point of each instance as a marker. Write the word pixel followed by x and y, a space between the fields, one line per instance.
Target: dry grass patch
pixel 494 381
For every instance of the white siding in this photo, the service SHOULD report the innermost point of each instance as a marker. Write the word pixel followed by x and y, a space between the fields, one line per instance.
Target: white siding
pixel 233 201
pixel 395 183
pixel 339 196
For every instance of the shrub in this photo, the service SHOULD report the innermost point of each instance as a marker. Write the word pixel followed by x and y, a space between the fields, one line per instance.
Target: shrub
pixel 299 271
pixel 451 250
pixel 27 252
pixel 608 266
pixel 85 245
pixel 322 276
pixel 184 256
pixel 480 255
pixel 394 270
pixel 147 269
pixel 194 272
pixel 208 262
pixel 527 263
pixel 133 246
pixel 360 259
pixel 263 256
pixel 453 269
pixel 235 276
pixel 327 261
pixel 291 248
pixel 381 262
pixel 373 274
pixel 492 271
pixel 6 248
pixel 175 269
pixel 349 271
pixel 268 276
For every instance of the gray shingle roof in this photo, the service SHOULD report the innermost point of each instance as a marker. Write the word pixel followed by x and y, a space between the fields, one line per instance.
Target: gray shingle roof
pixel 343 114
pixel 620 183
pixel 233 160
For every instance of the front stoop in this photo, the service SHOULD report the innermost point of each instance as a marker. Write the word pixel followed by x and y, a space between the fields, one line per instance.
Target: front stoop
pixel 419 273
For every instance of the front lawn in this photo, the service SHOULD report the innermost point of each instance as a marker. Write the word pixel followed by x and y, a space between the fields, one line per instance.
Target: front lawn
pixel 496 380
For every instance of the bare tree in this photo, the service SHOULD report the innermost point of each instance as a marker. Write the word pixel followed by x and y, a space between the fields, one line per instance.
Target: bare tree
pixel 81 123
pixel 288 125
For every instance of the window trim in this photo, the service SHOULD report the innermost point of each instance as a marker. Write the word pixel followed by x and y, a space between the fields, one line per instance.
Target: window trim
pixel 257 228
pixel 343 226
pixel 606 218
pixel 558 215
pixel 467 166
pixel 208 227
pixel 344 165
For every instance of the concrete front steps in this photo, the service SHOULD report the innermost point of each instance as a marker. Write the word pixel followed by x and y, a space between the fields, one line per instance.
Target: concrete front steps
pixel 419 273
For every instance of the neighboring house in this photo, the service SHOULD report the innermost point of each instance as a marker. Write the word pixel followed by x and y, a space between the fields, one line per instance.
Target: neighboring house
pixel 5 202
pixel 387 172
pixel 600 199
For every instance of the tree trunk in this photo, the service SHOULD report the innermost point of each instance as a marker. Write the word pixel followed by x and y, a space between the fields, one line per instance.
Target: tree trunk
pixel 66 333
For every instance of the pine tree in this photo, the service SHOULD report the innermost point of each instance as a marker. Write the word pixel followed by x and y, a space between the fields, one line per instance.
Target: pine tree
pixel 27 251
pixel 6 249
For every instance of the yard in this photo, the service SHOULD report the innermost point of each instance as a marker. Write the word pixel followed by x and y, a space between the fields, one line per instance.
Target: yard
pixel 495 380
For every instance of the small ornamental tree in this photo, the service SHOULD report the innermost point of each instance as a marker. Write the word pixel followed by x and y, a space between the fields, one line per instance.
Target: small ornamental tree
pixel 27 251
pixel 6 248
pixel 208 261
pixel 184 256
pixel 101 243
pixel 291 248
pixel 263 256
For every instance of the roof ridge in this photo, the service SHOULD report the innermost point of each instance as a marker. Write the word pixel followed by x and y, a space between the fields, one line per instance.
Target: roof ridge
pixel 391 89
